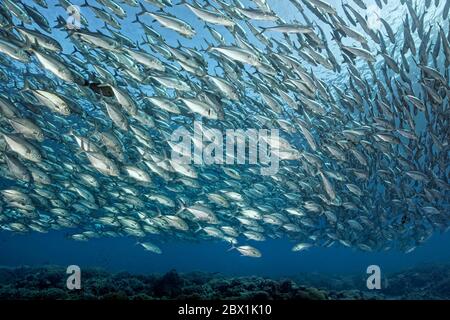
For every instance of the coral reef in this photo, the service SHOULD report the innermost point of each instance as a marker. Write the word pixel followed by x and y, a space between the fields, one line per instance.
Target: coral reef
pixel 49 283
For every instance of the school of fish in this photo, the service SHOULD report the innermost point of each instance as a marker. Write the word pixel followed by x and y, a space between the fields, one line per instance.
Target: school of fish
pixel 359 91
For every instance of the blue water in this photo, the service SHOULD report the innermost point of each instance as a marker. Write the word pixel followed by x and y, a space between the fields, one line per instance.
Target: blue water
pixel 121 254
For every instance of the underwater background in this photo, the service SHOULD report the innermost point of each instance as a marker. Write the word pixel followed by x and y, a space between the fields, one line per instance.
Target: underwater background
pixel 332 269
pixel 122 254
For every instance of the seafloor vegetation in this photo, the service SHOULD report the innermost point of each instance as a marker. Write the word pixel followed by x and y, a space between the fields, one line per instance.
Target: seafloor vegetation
pixel 49 282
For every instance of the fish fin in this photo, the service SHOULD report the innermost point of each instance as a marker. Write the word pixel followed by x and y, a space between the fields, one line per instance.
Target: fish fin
pixel 414 59
pixel 136 19
pixel 26 85
pixel 182 208
pixel 10 27
pixel 177 97
pixel 70 132
pixel 105 26
pixel 199 228
pixel 60 22
pixel 263 30
pixel 3 132
pixel 28 45
pixel 70 33
pixel 209 44
pixel 143 10
pixel 75 50
pixel 143 42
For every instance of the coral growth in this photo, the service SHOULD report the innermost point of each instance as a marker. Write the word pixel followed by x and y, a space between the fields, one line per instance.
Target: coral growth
pixel 48 283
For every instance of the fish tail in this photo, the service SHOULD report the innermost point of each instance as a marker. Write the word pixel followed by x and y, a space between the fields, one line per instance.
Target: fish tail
pixel 4 132
pixel 143 10
pixel 26 85
pixel 137 19
pixel 182 208
pixel 144 41
pixel 70 132
pixel 60 22
pixel 105 26
pixel 75 50
pixel 70 33
pixel 263 30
